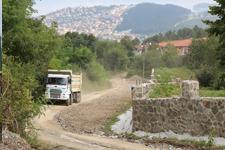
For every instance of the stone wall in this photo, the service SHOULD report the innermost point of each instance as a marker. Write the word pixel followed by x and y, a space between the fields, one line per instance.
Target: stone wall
pixel 187 114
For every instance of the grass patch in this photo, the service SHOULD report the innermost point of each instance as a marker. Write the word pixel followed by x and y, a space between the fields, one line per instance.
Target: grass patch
pixel 165 90
pixel 212 93
pixel 107 129
pixel 190 144
pixel 108 126
pixel 170 90
pixel 164 75
pixel 184 144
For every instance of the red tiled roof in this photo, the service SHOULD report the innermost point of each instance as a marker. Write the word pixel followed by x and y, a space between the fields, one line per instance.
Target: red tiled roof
pixel 177 43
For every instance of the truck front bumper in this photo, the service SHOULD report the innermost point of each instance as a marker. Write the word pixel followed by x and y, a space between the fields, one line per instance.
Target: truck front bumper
pixel 59 98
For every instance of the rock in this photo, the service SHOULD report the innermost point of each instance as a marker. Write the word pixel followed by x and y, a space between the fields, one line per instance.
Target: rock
pixel 12 141
pixel 190 89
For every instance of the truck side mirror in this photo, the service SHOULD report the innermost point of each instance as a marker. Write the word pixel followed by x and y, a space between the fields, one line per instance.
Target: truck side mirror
pixel 70 81
pixel 45 80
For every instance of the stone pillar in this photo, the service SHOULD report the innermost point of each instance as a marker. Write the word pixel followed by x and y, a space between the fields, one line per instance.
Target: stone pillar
pixel 190 89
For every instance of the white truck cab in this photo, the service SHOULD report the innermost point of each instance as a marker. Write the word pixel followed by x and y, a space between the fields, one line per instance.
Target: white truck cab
pixel 64 86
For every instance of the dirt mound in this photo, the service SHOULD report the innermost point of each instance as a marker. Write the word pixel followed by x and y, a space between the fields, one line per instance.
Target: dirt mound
pixel 90 117
pixel 12 141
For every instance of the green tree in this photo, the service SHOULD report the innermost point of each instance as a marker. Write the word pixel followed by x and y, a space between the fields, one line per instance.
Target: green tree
pixel 203 59
pixel 170 57
pixel 217 27
pixel 184 33
pixel 81 57
pixel 96 72
pixel 76 40
pixel 112 55
pixel 129 44
pixel 152 58
pixel 203 52
pixel 28 46
pixel 18 106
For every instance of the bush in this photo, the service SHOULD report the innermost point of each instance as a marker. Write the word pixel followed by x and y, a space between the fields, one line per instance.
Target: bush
pixel 170 57
pixel 165 90
pixel 205 76
pixel 212 93
pixel 18 105
pixel 96 72
pixel 165 75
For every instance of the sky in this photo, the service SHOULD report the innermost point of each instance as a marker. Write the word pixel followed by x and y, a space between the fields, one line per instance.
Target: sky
pixel 46 6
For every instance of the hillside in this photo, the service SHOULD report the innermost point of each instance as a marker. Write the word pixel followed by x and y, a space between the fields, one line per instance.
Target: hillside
pixel 200 12
pixel 98 20
pixel 148 18
pixel 113 22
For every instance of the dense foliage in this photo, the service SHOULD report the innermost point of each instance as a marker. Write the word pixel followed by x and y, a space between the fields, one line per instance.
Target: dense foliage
pixel 207 57
pixel 30 48
pixel 184 33
pixel 154 58
pixel 217 28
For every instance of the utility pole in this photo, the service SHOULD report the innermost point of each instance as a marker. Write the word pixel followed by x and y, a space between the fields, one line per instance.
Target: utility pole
pixel 1 86
pixel 1 72
pixel 143 73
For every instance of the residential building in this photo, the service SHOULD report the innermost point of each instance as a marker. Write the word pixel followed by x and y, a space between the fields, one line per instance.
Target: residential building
pixel 183 46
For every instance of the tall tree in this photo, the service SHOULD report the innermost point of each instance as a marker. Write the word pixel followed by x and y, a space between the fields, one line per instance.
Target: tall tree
pixel 28 46
pixel 217 27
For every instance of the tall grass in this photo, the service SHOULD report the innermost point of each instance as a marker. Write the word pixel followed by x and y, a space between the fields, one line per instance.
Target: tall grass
pixel 165 75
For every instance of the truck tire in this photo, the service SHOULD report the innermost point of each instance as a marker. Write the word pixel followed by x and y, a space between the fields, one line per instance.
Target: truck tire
pixel 78 97
pixel 68 102
pixel 74 97
pixel 71 99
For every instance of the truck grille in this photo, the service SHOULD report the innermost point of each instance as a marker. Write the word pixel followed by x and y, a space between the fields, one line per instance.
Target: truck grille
pixel 55 93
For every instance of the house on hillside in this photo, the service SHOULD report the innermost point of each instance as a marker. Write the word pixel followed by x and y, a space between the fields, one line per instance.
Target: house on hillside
pixel 183 46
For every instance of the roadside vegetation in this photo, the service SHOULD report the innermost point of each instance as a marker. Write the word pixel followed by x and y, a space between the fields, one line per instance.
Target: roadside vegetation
pixel 165 90
pixel 30 48
pixel 111 121
pixel 208 144
pixel 165 75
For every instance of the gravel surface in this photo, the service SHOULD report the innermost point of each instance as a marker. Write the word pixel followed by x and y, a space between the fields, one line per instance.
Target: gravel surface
pixel 91 116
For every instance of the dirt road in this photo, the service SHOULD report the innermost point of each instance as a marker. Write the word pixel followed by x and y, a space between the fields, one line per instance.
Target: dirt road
pixel 92 116
pixel 51 133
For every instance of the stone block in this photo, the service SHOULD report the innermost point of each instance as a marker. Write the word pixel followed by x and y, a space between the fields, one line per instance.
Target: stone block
pixel 190 90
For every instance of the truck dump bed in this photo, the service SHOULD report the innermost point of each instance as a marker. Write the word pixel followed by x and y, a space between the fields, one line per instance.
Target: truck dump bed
pixel 76 79
pixel 76 82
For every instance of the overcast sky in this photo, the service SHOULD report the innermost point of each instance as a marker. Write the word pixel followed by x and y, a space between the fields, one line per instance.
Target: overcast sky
pixel 46 6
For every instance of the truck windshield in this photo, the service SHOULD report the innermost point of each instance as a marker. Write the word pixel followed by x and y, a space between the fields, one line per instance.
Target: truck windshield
pixel 57 81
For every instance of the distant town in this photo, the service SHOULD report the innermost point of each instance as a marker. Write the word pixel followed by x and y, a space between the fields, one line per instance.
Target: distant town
pixel 99 21
pixel 115 22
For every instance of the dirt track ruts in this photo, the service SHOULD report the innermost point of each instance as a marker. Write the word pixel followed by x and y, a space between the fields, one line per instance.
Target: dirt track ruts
pixel 91 116
pixel 50 132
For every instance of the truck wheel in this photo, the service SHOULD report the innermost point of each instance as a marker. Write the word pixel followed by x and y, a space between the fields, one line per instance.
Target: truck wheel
pixel 71 100
pixel 78 97
pixel 74 97
pixel 68 102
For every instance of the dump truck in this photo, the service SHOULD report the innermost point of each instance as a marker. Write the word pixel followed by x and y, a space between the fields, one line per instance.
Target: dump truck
pixel 63 85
